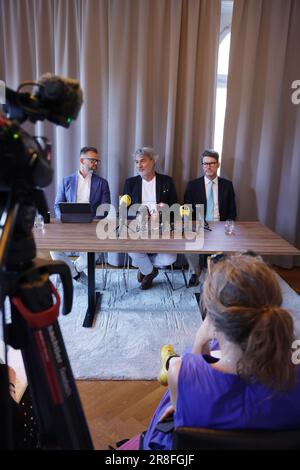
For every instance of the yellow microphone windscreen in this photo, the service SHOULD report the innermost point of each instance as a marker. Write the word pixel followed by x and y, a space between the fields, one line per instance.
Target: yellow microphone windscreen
pixel 125 199
pixel 184 211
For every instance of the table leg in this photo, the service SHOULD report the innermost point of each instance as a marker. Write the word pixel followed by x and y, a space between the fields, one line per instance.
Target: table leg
pixel 93 296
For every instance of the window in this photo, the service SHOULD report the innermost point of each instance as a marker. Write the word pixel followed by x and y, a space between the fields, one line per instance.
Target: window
pixel 223 63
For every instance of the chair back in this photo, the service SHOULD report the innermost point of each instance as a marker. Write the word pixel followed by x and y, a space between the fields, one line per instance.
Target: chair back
pixel 216 439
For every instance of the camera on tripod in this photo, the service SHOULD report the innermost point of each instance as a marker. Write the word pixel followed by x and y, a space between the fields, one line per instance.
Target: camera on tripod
pixel 24 158
pixel 25 163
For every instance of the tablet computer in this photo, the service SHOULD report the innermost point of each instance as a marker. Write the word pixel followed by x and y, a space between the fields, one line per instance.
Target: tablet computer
pixel 75 212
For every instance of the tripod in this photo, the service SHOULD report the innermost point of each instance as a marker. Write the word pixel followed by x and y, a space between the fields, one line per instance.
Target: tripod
pixel 35 331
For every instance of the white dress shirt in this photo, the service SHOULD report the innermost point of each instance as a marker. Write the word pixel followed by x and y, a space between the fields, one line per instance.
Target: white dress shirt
pixel 83 188
pixel 215 191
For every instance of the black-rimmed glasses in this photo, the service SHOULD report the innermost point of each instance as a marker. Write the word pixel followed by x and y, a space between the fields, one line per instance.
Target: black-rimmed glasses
pixel 93 160
pixel 222 256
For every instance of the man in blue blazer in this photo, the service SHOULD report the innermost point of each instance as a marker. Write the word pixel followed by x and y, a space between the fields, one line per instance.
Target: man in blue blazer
pixel 150 189
pixel 82 186
pixel 217 195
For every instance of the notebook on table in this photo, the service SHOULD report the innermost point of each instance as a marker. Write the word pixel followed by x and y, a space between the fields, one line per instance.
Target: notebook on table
pixel 75 212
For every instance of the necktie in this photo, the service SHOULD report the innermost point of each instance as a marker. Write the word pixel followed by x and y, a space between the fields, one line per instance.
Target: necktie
pixel 210 203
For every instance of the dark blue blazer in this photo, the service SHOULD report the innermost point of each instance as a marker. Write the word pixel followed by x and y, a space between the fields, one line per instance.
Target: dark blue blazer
pixel 67 192
pixel 165 189
pixel 195 194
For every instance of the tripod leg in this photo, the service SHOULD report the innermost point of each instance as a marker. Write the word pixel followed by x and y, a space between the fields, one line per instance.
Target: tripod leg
pixel 53 390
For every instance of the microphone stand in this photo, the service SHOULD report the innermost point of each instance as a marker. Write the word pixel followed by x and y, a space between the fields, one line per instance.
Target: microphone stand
pixel 122 217
pixel 34 329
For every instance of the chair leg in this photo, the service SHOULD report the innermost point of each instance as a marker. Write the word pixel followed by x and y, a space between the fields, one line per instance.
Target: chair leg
pixel 168 279
pixel 104 270
pixel 172 281
pixel 184 277
pixel 128 264
pixel 126 271
pixel 172 273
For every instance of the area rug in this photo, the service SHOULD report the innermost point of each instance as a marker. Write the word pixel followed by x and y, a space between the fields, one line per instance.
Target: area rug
pixel 125 340
pixel 129 330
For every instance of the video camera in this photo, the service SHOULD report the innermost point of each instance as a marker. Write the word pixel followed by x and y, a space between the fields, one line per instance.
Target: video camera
pixel 27 159
pixel 25 168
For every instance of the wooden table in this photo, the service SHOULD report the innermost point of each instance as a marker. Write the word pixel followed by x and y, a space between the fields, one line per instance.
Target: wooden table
pixel 82 237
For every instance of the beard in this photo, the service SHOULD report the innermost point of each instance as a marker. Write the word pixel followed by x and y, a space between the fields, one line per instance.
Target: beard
pixel 86 169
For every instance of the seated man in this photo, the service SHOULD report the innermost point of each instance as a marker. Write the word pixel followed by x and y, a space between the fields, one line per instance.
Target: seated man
pixel 86 187
pixel 150 189
pixel 217 195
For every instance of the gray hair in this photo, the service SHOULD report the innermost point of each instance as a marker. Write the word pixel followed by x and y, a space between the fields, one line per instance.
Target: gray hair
pixel 148 152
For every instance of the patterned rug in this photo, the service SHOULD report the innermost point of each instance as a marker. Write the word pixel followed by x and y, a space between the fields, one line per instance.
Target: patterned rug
pixel 124 342
pixel 131 327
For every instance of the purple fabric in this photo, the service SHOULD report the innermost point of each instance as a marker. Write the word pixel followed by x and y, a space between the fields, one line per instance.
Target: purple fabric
pixel 212 399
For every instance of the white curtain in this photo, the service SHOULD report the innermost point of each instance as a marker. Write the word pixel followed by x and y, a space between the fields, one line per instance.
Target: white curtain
pixel 261 145
pixel 147 69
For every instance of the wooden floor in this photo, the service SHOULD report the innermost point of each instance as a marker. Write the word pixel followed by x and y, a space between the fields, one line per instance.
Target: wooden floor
pixel 120 409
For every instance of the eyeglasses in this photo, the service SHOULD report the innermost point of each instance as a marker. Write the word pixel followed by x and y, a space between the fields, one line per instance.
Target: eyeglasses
pixel 209 164
pixel 93 160
pixel 222 256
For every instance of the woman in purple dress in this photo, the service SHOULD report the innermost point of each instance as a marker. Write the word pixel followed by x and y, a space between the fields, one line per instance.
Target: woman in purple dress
pixel 255 384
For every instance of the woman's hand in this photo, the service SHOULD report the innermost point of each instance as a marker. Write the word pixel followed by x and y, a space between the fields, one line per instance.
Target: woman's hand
pixel 168 412
pixel 204 334
pixel 12 382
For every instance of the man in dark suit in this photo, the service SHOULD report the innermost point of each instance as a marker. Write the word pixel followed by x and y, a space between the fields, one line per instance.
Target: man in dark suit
pixel 217 195
pixel 150 189
pixel 82 186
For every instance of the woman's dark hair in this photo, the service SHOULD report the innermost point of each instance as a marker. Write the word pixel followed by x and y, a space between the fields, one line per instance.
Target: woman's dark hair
pixel 243 299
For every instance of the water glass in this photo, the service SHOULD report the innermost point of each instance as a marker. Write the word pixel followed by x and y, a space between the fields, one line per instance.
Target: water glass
pixel 39 222
pixel 229 227
pixel 154 218
pixel 142 222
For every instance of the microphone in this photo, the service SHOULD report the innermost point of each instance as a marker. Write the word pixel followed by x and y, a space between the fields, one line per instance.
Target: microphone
pixel 185 213
pixel 143 210
pixel 57 99
pixel 125 200
pixel 142 217
pixel 62 96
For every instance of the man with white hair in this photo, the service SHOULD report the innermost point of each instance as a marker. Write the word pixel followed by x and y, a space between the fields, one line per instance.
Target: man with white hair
pixel 150 189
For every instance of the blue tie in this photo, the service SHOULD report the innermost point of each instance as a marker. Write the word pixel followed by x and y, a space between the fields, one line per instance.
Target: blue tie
pixel 210 203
